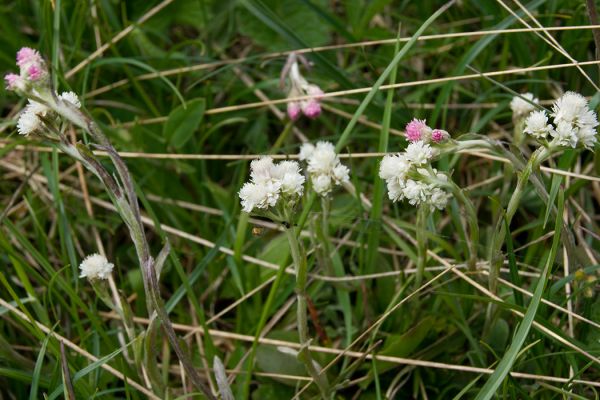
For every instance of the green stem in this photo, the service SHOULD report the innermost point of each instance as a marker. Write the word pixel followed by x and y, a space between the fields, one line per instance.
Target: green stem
pixel 301 268
pixel 421 243
pixel 495 257
pixel 471 216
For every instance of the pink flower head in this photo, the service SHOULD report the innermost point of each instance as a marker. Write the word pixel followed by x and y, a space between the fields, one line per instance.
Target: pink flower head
pixel 311 108
pixel 439 135
pixel 27 56
pixel 35 72
pixel 415 130
pixel 314 90
pixel 13 81
pixel 293 110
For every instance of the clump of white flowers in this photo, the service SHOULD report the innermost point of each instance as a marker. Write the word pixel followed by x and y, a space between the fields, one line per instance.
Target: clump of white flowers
pixel 300 87
pixel 521 107
pixel 95 266
pixel 324 167
pixel 271 184
pixel 574 123
pixel 409 175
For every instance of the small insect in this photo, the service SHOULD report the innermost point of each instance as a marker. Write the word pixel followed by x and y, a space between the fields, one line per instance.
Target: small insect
pixel 258 230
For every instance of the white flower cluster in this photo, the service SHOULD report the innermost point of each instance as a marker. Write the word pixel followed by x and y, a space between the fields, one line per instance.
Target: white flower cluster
pixel 407 177
pixel 324 167
pixel 95 266
pixel 270 182
pixel 522 108
pixel 29 120
pixel 573 123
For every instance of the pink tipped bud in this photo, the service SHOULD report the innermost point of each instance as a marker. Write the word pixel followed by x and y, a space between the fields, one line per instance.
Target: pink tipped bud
pixel 293 110
pixel 439 135
pixel 13 81
pixel 311 108
pixel 314 90
pixel 415 130
pixel 35 72
pixel 27 56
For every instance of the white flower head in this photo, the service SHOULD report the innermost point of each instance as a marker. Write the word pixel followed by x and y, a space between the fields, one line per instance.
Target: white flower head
pixel 288 173
pixel 439 198
pixel 261 170
pixel 396 189
pixel 323 159
pixel 569 108
pixel 587 136
pixel 537 125
pixel 95 266
pixel 416 192
pixel 394 166
pixel 565 135
pixel 29 120
pixel 255 195
pixel 324 167
pixel 321 184
pixel 419 153
pixel 521 107
pixel 71 97
pixel 306 151
pixel 341 174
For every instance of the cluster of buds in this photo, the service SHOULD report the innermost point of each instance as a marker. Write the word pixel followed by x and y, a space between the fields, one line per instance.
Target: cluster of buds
pixel 272 185
pixel 32 71
pixel 574 123
pixel 324 167
pixel 409 175
pixel 299 87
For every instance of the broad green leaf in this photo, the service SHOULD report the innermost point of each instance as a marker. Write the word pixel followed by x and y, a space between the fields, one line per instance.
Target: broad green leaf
pixel 183 122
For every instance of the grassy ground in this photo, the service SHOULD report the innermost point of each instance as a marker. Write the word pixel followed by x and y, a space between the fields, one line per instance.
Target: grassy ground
pixel 188 91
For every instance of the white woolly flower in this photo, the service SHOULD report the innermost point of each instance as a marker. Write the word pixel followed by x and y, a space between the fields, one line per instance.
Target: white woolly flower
pixel 396 189
pixel 569 108
pixel 29 120
pixel 95 266
pixel 71 97
pixel 564 135
pixel 520 107
pixel 323 159
pixel 288 173
pixel 439 198
pixel 341 174
pixel 419 153
pixel 416 192
pixel 537 125
pixel 261 170
pixel 255 195
pixel 321 184
pixel 324 167
pixel 587 136
pixel 394 166
pixel 306 151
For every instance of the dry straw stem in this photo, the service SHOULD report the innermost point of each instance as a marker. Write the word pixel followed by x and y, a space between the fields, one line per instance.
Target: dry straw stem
pixel 237 157
pixel 355 354
pixel 216 64
pixel 79 350
pixel 327 95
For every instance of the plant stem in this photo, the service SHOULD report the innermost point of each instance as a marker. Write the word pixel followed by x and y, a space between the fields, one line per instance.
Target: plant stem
pixel 471 216
pixel 421 243
pixel 301 268
pixel 495 256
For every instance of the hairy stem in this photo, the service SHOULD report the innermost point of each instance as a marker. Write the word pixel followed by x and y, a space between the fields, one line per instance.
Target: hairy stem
pixel 301 268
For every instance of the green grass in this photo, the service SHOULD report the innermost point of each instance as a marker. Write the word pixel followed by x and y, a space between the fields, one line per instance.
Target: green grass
pixel 438 343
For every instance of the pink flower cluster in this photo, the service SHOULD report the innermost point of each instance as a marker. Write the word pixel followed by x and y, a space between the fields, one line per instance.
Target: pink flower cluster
pixel 418 130
pixel 32 70
pixel 300 87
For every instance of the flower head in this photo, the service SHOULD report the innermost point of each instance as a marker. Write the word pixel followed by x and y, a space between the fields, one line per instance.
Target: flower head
pixel 71 97
pixel 324 167
pixel 419 153
pixel 439 135
pixel 311 108
pixel 270 182
pixel 300 87
pixel 572 108
pixel 27 56
pixel 95 266
pixel 564 135
pixel 294 110
pixel 521 107
pixel 14 82
pixel 394 167
pixel 417 130
pixel 537 125
pixel 29 120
